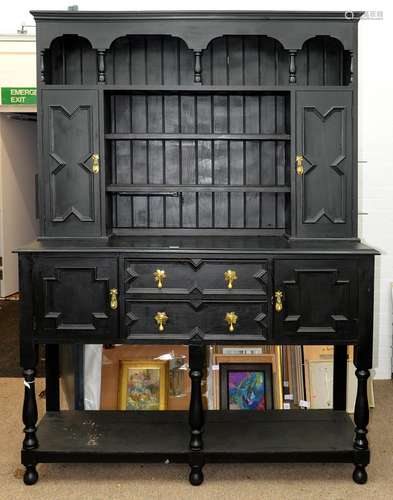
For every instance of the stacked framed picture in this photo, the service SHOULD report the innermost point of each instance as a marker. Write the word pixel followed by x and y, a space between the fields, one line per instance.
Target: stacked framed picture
pixel 244 379
pixel 143 385
pixel 145 377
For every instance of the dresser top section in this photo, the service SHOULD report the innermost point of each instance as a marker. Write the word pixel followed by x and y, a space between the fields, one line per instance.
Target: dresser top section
pixel 201 244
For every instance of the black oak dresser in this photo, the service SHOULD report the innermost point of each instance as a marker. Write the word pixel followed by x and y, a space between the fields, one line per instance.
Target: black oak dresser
pixel 197 185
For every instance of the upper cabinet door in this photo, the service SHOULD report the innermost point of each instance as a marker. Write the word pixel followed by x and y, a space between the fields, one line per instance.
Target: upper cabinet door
pixel 324 187
pixel 71 174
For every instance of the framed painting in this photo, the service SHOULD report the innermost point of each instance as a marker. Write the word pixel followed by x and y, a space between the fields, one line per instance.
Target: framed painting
pixel 246 386
pixel 143 385
pixel 270 359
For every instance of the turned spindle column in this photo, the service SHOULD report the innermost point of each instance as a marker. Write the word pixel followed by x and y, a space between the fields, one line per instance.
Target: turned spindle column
pixel 196 416
pixel 351 67
pixel 197 67
pixel 42 66
pixel 101 65
pixel 292 66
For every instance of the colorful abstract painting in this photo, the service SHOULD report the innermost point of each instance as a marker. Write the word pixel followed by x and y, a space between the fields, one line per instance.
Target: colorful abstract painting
pixel 246 390
pixel 143 389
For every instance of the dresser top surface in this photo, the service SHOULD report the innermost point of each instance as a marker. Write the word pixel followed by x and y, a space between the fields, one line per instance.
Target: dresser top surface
pixel 199 14
pixel 200 244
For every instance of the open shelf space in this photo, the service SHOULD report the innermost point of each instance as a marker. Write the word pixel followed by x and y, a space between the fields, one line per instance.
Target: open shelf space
pixel 167 60
pixel 238 436
pixel 198 162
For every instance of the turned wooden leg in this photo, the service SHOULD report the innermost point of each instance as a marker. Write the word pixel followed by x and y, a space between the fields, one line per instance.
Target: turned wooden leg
pixel 31 475
pixel 360 474
pixel 196 417
pixel 361 418
pixel 196 474
pixel 30 411
pixel 30 416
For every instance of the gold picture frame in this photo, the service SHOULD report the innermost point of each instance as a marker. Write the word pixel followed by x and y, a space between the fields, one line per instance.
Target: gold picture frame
pixel 143 385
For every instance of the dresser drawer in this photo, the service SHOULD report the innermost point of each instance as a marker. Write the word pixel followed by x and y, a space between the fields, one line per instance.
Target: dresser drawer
pixel 197 276
pixel 183 318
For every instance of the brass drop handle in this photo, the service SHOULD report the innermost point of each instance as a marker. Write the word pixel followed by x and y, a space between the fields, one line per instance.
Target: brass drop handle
pixel 299 165
pixel 230 276
pixel 278 303
pixel 161 318
pixel 231 319
pixel 96 163
pixel 159 276
pixel 113 296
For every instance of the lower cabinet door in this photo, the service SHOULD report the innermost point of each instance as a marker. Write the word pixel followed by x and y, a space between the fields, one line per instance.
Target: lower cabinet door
pixel 315 299
pixel 183 320
pixel 76 296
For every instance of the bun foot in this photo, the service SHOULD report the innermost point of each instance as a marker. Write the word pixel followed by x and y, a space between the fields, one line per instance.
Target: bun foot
pixel 196 475
pixel 31 475
pixel 360 474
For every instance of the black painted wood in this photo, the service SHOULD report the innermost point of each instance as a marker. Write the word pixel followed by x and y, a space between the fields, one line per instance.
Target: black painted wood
pixel 361 415
pixel 197 247
pixel 340 377
pixel 71 61
pixel 196 415
pixel 52 373
pixel 319 299
pixel 361 418
pixel 323 61
pixel 218 151
pixel 197 118
pixel 30 416
pixel 272 436
pixel 73 296
pixel 147 60
pixel 71 188
pixel 324 195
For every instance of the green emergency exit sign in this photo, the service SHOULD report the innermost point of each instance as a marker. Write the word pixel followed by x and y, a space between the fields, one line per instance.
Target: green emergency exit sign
pixel 18 95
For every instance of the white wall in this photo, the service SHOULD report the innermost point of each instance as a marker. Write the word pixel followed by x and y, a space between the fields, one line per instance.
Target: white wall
pixel 18 167
pixel 376 173
pixel 18 158
pixel 17 61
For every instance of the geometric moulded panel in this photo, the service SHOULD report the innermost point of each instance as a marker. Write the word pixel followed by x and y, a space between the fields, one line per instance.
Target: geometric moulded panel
pixel 324 151
pixel 79 311
pixel 70 190
pixel 73 296
pixel 324 194
pixel 71 146
pixel 319 299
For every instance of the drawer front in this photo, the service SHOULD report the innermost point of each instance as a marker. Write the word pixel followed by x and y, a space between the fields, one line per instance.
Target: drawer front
pixel 184 319
pixel 319 300
pixel 196 276
pixel 72 296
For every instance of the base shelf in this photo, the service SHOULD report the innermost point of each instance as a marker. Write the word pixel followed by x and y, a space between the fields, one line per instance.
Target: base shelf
pixel 273 436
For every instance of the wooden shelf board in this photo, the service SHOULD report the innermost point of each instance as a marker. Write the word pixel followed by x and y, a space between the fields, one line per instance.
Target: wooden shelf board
pixel 274 436
pixel 198 137
pixel 149 188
